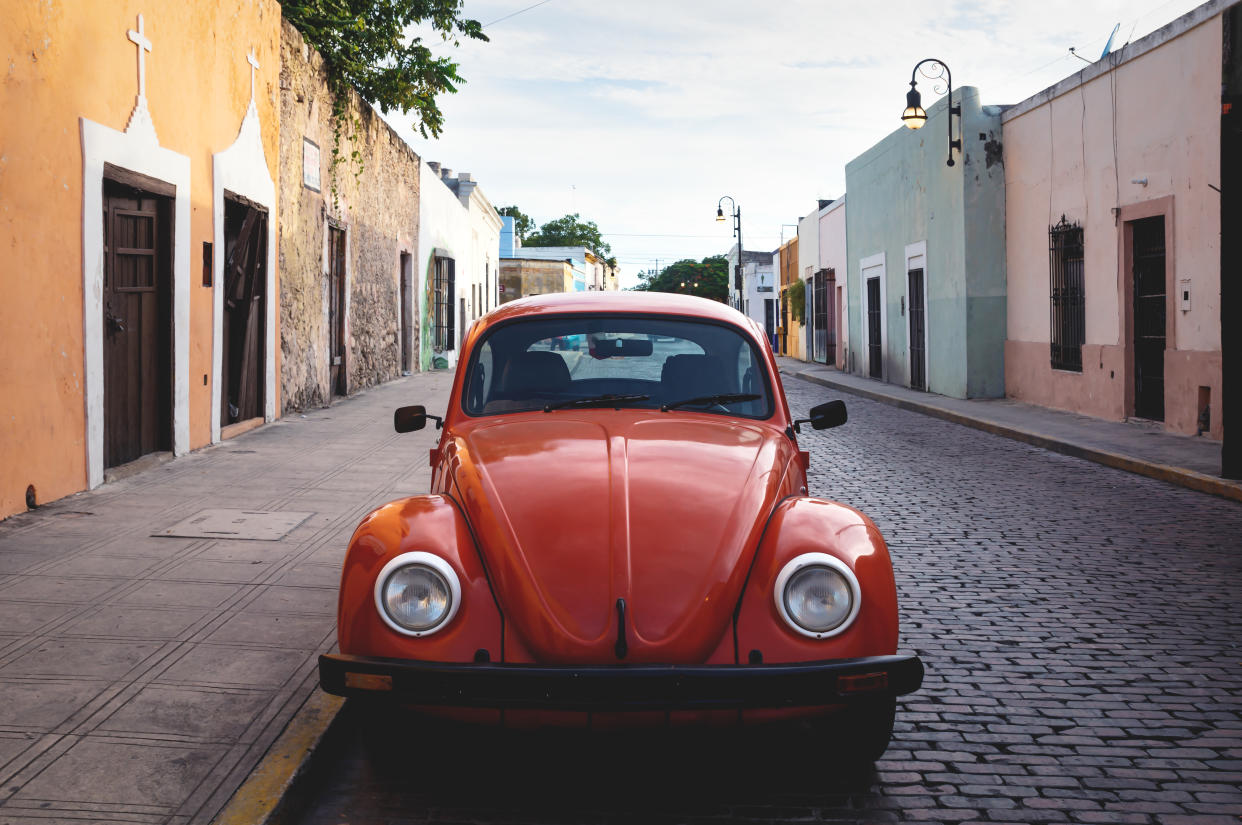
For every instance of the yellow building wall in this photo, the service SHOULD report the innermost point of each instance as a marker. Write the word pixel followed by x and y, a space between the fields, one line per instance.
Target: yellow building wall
pixel 72 60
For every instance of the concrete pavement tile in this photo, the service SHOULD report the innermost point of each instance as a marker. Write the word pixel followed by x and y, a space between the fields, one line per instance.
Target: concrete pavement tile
pixel 179 594
pixel 44 704
pixel 331 553
pixel 12 743
pixel 95 564
pixel 290 632
pixel 28 617
pixel 148 546
pixel 312 575
pixel 276 599
pixel 135 622
pixel 208 664
pixel 103 770
pixel 246 551
pixel 58 589
pixel 206 714
pixel 15 561
pixel 205 570
pixel 80 657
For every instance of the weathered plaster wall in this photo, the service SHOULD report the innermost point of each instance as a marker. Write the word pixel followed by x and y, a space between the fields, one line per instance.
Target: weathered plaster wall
pixel 72 61
pixel 376 201
pixel 523 277
pixel 1075 150
pixel 443 229
pixel 902 193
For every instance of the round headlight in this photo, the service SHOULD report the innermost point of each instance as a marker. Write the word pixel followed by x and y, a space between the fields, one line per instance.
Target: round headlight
pixel 417 593
pixel 817 595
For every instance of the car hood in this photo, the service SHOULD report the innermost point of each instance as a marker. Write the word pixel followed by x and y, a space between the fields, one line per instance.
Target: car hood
pixel 574 512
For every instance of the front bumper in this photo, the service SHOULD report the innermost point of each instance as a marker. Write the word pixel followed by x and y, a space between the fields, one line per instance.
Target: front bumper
pixel 621 687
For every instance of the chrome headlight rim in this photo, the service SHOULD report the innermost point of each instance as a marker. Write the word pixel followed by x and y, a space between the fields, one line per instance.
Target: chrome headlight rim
pixel 817 560
pixel 418 559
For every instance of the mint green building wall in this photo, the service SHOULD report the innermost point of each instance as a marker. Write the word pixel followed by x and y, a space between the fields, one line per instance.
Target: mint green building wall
pixel 900 193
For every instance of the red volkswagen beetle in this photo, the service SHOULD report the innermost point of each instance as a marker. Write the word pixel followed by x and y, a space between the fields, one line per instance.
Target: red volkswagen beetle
pixel 621 534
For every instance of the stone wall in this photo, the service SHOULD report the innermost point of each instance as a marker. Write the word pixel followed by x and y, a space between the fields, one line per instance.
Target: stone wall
pixel 374 197
pixel 521 277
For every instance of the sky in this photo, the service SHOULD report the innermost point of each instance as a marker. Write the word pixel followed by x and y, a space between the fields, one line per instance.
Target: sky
pixel 641 114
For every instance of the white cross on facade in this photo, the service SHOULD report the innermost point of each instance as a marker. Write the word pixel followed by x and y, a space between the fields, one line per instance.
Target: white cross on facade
pixel 144 45
pixel 254 64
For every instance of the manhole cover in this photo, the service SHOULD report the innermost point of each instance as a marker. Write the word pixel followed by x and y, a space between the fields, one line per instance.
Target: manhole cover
pixel 255 525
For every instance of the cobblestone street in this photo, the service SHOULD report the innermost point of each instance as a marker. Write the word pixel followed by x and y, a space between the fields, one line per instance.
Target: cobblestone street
pixel 1081 634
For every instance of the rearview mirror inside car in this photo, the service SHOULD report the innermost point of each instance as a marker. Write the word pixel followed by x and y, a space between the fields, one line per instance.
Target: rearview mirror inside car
pixel 621 347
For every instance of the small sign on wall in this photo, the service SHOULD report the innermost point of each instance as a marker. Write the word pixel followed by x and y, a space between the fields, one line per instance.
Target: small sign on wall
pixel 310 164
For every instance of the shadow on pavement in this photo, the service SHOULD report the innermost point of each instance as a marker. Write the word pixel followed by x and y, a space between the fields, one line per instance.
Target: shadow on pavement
pixel 395 768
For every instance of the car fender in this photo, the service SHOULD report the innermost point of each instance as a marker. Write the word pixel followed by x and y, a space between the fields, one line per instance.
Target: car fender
pixel 808 525
pixel 432 524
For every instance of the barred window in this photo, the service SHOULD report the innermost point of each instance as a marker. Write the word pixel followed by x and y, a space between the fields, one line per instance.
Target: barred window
pixel 445 334
pixel 1065 246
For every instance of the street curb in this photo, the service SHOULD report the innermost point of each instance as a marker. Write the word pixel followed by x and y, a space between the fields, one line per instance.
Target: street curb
pixel 1199 482
pixel 279 781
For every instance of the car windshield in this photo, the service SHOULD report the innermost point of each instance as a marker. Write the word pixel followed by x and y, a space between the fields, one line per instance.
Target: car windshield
pixel 576 362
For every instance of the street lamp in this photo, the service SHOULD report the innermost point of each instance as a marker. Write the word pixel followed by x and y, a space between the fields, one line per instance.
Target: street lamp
pixel 737 230
pixel 915 115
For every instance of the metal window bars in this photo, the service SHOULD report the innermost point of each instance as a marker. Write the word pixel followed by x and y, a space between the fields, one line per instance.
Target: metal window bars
pixel 1068 308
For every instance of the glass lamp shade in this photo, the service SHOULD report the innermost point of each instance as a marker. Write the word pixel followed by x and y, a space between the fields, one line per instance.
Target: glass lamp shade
pixel 719 215
pixel 914 117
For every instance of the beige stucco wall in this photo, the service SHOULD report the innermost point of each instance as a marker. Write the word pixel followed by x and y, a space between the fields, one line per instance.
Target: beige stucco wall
pixel 1075 151
pixel 69 64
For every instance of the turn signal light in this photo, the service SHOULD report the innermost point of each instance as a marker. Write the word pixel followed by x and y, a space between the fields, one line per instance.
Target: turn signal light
pixel 368 681
pixel 862 682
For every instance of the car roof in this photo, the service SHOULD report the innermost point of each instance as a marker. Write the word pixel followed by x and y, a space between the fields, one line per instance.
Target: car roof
pixel 665 303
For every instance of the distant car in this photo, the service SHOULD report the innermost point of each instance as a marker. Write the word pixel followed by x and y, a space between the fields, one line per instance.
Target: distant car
pixel 629 532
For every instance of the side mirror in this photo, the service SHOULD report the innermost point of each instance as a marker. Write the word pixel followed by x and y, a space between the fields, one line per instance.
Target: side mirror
pixel 825 416
pixel 409 419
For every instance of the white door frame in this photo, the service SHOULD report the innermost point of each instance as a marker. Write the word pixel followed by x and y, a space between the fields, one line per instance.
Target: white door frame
pixel 242 169
pixel 874 263
pixel 916 258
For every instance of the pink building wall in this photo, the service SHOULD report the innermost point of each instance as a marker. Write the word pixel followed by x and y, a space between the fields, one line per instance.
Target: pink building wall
pixel 1077 150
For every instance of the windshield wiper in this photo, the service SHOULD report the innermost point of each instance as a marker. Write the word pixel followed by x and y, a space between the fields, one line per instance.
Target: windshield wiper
pixel 605 400
pixel 723 398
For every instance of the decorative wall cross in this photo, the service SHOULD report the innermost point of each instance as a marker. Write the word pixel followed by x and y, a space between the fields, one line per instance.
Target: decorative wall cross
pixel 144 45
pixel 254 64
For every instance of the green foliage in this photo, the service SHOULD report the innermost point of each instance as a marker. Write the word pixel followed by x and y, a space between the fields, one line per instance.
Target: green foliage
pixel 571 230
pixel 796 296
pixel 523 225
pixel 708 278
pixel 365 46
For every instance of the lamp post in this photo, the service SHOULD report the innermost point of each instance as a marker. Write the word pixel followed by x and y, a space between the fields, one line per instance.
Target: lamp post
pixel 915 115
pixel 737 230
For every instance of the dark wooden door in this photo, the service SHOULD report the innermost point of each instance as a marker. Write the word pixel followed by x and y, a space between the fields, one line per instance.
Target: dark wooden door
pixel 1149 317
pixel 821 335
pixel 243 328
pixel 918 331
pixel 336 310
pixel 137 323
pixel 875 351
pixel 405 313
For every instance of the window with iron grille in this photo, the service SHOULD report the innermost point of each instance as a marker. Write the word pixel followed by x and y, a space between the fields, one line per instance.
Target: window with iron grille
pixel 445 333
pixel 1069 323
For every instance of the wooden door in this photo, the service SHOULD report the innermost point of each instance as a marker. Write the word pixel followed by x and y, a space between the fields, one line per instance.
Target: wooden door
pixel 1149 317
pixel 137 323
pixel 336 310
pixel 243 327
pixel 918 331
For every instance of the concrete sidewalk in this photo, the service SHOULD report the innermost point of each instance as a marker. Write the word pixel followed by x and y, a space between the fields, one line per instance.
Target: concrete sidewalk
pixel 143 676
pixel 1145 449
